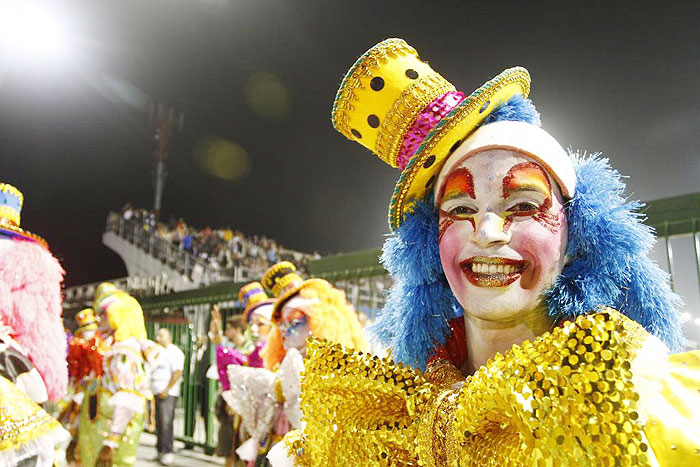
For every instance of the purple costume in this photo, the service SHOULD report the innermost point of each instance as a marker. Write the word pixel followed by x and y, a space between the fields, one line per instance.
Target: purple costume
pixel 226 356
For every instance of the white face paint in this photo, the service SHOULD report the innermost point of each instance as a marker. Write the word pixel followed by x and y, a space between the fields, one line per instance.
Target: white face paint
pixel 502 233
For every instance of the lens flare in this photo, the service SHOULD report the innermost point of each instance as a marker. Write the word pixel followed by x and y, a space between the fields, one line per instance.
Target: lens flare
pixel 222 158
pixel 267 96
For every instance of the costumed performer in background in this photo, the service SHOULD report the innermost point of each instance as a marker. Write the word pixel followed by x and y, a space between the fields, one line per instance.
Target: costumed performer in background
pixel 111 417
pixel 521 280
pixel 32 339
pixel 238 348
pixel 85 352
pixel 268 401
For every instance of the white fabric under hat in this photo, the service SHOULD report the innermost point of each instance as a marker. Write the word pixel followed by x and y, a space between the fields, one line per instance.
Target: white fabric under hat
pixel 523 137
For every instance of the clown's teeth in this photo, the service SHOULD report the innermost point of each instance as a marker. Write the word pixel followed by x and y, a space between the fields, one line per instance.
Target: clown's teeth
pixel 481 268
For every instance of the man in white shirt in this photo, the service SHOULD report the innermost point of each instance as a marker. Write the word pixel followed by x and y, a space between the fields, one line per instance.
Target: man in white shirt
pixel 165 384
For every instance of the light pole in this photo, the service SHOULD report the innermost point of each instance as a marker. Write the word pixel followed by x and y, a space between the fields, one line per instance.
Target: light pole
pixel 164 121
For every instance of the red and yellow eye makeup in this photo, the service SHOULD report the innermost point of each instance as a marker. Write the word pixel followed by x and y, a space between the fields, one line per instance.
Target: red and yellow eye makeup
pixel 526 176
pixel 529 176
pixel 458 184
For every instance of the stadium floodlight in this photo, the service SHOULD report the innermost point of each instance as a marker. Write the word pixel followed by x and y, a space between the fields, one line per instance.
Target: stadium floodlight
pixel 34 32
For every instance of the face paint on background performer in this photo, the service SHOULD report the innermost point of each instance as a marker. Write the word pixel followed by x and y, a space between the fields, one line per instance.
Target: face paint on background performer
pixel 268 401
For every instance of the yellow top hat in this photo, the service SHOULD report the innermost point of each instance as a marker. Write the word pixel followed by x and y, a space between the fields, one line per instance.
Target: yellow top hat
pixel 11 201
pixel 397 106
pixel 252 296
pixel 86 320
pixel 283 281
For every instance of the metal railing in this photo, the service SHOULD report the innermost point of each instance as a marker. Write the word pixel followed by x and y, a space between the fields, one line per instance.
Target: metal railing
pixel 195 420
pixel 135 285
pixel 142 234
pixel 139 233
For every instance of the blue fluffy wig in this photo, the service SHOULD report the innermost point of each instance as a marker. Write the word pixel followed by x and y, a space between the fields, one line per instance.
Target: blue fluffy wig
pixel 607 245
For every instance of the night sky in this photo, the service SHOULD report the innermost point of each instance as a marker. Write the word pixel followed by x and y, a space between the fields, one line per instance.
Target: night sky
pixel 256 81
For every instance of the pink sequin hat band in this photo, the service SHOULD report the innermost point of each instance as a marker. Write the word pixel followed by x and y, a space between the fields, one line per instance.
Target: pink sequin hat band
pixel 425 122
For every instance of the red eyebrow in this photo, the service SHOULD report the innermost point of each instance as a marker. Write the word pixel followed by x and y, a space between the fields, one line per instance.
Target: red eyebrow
pixel 458 181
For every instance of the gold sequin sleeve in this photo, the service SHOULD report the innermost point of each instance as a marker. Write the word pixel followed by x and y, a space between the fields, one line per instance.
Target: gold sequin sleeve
pixel 359 409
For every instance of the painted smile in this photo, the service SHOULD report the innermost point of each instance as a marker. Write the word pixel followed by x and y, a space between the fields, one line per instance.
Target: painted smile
pixel 490 271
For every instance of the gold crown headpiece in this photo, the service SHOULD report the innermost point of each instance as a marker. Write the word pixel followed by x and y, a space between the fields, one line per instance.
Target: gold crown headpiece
pixel 11 201
pixel 86 320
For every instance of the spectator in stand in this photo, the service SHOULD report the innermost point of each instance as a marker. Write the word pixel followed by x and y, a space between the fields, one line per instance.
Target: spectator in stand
pixel 221 249
pixel 165 384
pixel 127 212
pixel 188 242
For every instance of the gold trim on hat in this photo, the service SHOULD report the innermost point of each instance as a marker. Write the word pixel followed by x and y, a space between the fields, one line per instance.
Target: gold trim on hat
pixel 371 60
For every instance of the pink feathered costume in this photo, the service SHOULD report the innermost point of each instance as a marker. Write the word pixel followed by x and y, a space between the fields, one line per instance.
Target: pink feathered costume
pixel 30 305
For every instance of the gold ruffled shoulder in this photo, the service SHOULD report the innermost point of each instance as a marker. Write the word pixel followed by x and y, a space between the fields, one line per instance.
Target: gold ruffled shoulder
pixel 567 397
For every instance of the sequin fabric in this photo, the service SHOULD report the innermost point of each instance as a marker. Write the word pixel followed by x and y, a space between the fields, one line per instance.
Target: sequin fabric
pixel 226 356
pixel 85 358
pixel 565 398
pixel 21 420
pixel 426 121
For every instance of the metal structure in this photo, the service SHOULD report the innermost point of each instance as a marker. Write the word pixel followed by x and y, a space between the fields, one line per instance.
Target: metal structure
pixel 141 234
pixel 164 121
pixel 186 315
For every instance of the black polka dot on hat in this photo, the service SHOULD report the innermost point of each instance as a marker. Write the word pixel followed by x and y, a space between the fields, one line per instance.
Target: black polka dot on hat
pixel 456 145
pixel 377 83
pixel 411 73
pixel 429 161
pixel 356 133
pixel 431 180
pixel 484 107
pixel 373 121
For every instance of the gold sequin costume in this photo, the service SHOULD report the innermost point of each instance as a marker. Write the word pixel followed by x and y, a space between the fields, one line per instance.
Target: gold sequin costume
pixel 568 397
pixel 27 433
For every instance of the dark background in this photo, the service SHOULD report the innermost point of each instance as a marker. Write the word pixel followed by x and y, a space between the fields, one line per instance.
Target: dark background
pixel 615 77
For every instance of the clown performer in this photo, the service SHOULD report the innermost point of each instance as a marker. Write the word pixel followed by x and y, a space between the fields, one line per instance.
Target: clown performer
pixel 268 401
pixel 32 339
pixel 85 351
pixel 239 348
pixel 305 308
pixel 112 413
pixel 521 280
